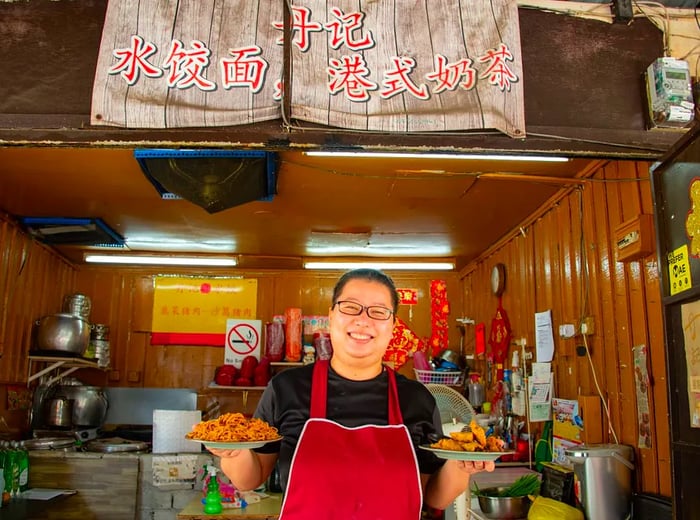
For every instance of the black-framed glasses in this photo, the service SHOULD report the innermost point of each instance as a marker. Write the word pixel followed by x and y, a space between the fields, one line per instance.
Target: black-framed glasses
pixel 376 312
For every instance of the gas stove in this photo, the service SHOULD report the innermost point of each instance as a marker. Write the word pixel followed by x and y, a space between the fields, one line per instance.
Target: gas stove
pixel 84 435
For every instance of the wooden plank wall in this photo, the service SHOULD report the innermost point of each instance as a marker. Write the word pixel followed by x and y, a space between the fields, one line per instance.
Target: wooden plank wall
pixel 33 282
pixel 123 299
pixel 563 259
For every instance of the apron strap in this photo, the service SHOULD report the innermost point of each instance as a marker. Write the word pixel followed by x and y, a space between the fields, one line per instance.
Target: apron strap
pixel 319 393
pixel 319 390
pixel 395 416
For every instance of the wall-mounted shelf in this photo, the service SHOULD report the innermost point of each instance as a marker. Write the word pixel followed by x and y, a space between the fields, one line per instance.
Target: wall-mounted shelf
pixel 214 386
pixel 63 366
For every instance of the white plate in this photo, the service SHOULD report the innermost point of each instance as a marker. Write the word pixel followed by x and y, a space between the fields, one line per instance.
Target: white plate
pixel 467 455
pixel 245 445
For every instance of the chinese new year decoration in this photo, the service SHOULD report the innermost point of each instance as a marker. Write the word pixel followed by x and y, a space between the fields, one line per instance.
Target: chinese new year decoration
pixel 439 312
pixel 499 339
pixel 404 343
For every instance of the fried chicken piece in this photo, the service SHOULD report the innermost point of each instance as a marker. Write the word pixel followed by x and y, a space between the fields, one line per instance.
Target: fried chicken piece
pixel 447 444
pixel 471 446
pixel 479 433
pixel 462 436
pixel 494 443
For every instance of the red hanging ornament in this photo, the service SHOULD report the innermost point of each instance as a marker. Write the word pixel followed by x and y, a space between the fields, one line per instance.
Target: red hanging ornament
pixel 499 339
pixel 440 310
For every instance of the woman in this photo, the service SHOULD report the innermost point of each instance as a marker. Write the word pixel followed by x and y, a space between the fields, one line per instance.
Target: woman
pixel 351 427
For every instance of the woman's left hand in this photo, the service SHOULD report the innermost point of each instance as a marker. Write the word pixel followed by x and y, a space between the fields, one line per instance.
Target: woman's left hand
pixel 475 466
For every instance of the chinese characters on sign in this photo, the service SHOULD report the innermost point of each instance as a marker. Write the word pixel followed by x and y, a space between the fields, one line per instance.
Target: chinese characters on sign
pixel 361 68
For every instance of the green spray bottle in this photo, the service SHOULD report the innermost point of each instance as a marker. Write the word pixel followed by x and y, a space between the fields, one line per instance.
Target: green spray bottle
pixel 212 502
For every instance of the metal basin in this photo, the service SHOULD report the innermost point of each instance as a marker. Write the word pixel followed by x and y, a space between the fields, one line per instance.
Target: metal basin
pixel 503 508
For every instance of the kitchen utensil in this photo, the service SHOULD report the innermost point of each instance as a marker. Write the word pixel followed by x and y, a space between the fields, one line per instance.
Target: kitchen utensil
pixel 476 390
pixel 63 334
pixel 59 412
pixel 77 305
pixel 502 507
pixel 115 445
pixel 51 443
pixel 89 407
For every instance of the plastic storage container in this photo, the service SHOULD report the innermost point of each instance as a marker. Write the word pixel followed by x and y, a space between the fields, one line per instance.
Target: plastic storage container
pixel 604 479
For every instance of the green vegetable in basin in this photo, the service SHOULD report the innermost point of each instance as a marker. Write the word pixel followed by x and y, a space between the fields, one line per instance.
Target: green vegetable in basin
pixel 526 485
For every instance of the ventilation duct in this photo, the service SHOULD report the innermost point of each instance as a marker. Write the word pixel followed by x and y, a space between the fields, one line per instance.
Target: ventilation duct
pixel 212 179
pixel 72 231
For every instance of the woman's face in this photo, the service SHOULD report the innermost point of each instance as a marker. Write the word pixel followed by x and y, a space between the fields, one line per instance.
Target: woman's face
pixel 360 341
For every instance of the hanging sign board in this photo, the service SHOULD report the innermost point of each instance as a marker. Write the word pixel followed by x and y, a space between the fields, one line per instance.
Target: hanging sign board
pixel 194 310
pixel 434 66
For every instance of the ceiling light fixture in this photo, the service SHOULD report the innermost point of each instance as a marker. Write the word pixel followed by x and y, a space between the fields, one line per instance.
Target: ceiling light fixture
pixel 161 260
pixel 433 155
pixel 388 266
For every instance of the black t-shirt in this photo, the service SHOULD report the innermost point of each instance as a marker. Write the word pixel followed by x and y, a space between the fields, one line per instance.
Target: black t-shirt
pixel 286 401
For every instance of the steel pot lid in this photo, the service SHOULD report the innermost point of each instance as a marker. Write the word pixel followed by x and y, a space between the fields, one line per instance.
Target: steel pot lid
pixel 49 443
pixel 115 445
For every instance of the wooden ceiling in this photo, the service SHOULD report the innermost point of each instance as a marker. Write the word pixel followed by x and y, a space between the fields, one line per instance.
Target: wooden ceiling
pixel 324 207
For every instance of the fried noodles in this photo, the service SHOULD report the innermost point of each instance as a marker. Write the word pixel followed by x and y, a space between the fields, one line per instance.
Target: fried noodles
pixel 233 427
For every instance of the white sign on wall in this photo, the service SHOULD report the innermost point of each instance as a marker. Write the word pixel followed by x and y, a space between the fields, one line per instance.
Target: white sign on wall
pixel 243 338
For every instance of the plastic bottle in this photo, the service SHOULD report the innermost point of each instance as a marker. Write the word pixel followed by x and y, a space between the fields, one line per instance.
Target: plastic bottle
pixel 7 472
pixel 23 462
pixel 212 502
pixel 14 467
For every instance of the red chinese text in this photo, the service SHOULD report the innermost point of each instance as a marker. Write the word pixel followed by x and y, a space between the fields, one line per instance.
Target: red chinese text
pixel 134 60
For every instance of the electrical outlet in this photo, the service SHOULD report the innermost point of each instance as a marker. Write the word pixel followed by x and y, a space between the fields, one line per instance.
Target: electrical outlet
pixel 587 326
pixel 567 330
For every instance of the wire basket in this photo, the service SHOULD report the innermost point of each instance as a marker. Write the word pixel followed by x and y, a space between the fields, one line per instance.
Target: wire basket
pixel 440 377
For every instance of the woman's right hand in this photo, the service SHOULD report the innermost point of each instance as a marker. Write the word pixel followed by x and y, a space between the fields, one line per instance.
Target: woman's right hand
pixel 225 454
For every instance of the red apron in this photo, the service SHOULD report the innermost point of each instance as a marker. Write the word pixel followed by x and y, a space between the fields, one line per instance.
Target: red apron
pixel 363 473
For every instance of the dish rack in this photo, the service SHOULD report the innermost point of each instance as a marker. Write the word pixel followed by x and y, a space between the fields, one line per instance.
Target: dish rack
pixel 440 377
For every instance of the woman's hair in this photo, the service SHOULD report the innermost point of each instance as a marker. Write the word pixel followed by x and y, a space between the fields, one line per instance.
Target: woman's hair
pixel 371 275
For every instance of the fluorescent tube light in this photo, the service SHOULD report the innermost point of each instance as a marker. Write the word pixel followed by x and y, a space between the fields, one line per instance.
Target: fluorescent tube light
pixel 432 155
pixel 161 260
pixel 410 266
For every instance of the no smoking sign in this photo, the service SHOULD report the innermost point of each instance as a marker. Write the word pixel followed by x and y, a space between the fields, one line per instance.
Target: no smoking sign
pixel 242 339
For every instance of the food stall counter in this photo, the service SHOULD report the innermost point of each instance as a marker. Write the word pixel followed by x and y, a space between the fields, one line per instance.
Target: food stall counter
pixel 267 508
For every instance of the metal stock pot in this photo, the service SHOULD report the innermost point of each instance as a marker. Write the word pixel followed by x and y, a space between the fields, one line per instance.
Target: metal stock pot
pixel 90 404
pixel 63 334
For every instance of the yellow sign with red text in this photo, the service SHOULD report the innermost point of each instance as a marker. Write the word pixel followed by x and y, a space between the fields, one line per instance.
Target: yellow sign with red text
pixel 198 305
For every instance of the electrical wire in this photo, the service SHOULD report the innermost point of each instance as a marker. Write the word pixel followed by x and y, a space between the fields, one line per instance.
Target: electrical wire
pixel 665 24
pixel 585 302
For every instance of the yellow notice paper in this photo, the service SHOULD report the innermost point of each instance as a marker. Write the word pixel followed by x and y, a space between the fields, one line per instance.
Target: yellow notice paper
pixel 679 270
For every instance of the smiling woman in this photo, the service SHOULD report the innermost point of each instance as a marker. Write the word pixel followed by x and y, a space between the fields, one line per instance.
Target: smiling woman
pixel 325 410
